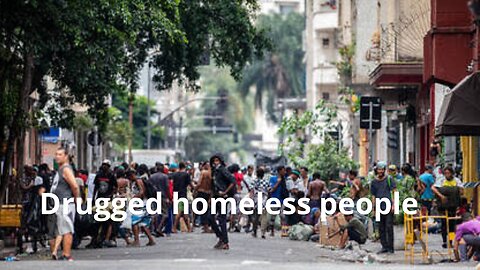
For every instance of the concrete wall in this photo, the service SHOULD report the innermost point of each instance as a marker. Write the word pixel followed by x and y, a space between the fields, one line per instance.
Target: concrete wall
pixel 365 15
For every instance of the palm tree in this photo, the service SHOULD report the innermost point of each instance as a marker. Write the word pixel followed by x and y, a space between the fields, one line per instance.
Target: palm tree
pixel 281 73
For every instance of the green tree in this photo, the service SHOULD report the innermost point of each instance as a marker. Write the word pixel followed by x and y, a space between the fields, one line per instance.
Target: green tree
pixel 281 72
pixel 239 112
pixel 118 130
pixel 92 49
pixel 327 157
pixel 140 121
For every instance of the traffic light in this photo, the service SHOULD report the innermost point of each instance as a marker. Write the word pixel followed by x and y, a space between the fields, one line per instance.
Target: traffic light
pixel 392 134
pixel 222 102
pixel 235 137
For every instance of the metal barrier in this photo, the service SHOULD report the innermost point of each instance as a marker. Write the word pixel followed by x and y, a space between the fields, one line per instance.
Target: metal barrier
pixel 419 233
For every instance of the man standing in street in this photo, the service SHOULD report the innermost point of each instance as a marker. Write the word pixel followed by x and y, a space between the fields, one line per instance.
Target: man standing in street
pixel 449 190
pixel 64 186
pixel 105 184
pixel 224 186
pixel 425 184
pixel 382 186
pixel 315 191
pixel 278 190
pixel 181 181
pixel 160 181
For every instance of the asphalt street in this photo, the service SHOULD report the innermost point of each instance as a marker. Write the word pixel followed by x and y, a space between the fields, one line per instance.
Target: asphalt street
pixel 194 251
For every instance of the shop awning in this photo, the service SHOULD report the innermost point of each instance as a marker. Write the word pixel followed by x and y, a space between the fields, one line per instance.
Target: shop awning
pixel 460 111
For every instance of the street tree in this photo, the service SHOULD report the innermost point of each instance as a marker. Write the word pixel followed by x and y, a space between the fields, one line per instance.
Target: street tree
pixel 281 72
pixel 324 156
pixel 92 49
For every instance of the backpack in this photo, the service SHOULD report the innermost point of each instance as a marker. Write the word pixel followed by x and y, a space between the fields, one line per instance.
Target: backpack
pixel 150 190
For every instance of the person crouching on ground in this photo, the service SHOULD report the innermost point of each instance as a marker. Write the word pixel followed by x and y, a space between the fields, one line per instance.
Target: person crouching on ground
pixel 353 230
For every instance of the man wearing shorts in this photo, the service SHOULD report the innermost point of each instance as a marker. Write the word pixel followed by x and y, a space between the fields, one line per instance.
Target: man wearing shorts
pixel 64 186
pixel 181 181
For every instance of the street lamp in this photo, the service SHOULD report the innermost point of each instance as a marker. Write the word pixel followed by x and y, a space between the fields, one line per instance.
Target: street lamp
pixel 474 6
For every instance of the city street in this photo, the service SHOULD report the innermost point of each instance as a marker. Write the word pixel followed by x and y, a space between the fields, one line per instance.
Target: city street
pixel 194 251
pixel 347 123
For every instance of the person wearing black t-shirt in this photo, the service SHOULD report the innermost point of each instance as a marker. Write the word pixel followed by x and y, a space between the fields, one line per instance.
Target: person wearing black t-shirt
pixel 224 186
pixel 105 186
pixel 181 181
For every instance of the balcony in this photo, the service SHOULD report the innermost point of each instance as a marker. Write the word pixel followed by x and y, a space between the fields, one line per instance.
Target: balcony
pixel 325 21
pixel 325 75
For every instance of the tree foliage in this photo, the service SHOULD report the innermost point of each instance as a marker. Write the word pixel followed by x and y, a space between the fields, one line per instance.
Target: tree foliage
pixel 119 120
pixel 325 157
pixel 239 113
pixel 72 51
pixel 281 72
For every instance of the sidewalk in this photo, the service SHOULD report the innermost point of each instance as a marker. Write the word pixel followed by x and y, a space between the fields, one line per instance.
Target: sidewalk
pixel 367 253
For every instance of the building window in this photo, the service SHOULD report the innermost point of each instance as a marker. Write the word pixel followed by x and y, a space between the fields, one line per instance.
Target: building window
pixel 325 43
pixel 326 96
pixel 286 9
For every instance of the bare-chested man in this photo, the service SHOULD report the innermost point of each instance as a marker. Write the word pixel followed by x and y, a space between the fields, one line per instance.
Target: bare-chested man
pixel 315 191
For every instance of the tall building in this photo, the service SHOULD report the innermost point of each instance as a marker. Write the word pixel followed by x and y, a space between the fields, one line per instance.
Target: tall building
pixel 397 53
pixel 387 41
pixel 327 30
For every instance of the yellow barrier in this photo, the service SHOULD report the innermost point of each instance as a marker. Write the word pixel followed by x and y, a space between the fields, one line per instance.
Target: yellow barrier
pixel 420 234
pixel 10 215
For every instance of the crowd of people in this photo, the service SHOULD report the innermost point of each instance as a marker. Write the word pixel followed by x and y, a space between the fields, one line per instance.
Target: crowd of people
pixel 437 189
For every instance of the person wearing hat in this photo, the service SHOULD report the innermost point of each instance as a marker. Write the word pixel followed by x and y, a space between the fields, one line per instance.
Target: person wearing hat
pixel 295 183
pixel 382 186
pixel 393 171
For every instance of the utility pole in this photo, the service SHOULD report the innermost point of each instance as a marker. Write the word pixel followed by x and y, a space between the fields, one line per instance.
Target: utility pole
pixel 149 128
pixel 130 125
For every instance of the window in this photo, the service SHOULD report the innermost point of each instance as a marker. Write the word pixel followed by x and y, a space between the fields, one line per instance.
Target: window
pixel 325 43
pixel 326 96
pixel 286 9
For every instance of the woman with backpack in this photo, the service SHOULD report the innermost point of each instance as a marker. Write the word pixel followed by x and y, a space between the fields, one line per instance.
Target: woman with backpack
pixel 382 186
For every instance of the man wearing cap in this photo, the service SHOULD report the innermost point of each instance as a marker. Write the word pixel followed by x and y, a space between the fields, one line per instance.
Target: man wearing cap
pixel 295 184
pixel 425 183
pixel 382 186
pixel 393 172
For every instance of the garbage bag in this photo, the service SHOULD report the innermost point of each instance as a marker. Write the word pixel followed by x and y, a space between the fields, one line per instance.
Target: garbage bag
pixel 300 232
pixel 278 223
pixel 35 222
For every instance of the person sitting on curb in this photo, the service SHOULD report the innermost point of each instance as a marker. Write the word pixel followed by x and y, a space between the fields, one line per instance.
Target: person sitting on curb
pixel 353 230
pixel 467 236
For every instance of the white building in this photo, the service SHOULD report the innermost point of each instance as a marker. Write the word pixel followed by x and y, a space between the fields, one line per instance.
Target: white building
pixel 281 6
pixel 328 28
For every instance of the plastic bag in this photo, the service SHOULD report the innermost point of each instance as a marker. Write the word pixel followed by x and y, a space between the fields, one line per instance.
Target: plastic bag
pixel 278 223
pixel 300 232
pixel 127 223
